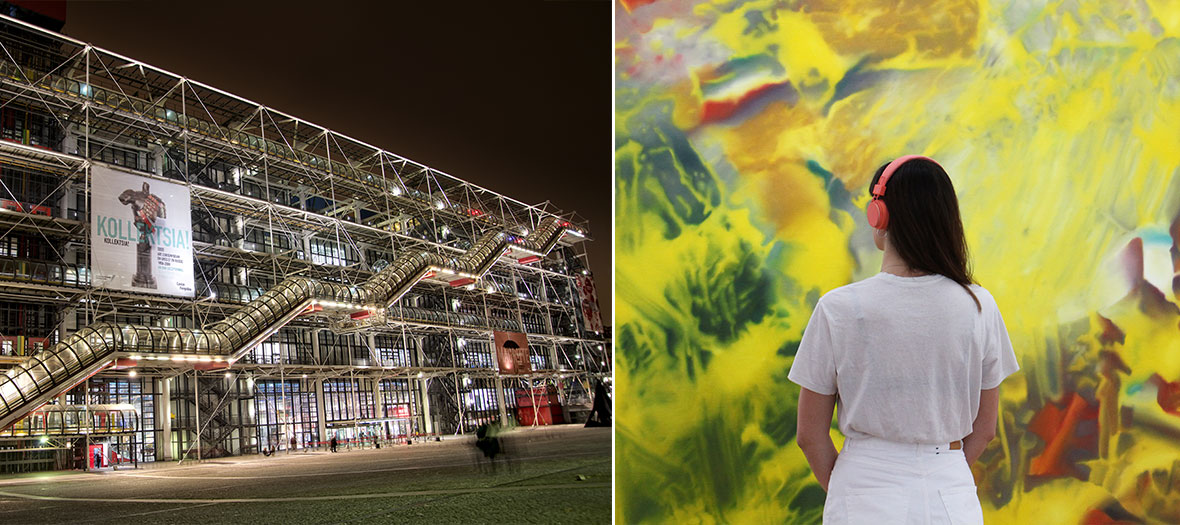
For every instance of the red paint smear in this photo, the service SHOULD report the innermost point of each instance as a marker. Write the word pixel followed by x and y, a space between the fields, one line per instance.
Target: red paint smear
pixel 718 110
pixel 631 5
pixel 1111 333
pixel 1097 517
pixel 1167 394
pixel 1133 261
pixel 1057 428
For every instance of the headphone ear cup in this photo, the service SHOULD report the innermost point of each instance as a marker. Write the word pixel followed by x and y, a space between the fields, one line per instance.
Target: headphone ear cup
pixel 878 214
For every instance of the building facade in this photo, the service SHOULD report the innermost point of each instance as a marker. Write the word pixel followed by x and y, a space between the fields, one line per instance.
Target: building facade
pixel 336 289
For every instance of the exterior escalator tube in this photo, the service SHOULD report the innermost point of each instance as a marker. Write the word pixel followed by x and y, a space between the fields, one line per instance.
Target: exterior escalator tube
pixel 55 370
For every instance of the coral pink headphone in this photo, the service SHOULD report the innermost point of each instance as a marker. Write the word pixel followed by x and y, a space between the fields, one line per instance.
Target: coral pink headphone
pixel 878 213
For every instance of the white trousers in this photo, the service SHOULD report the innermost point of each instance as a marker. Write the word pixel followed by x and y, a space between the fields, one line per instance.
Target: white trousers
pixel 883 482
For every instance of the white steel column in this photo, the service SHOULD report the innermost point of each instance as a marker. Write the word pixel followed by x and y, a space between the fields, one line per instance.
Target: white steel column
pixel 500 401
pixel 164 420
pixel 378 403
pixel 197 403
pixel 423 387
pixel 321 421
pixel 424 392
pixel 315 348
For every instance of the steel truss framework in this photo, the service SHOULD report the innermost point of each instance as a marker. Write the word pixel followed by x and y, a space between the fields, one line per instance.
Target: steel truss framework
pixel 274 197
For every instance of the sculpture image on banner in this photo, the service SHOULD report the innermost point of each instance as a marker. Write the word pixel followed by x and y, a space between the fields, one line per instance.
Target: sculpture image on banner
pixel 141 233
pixel 512 353
pixel 746 135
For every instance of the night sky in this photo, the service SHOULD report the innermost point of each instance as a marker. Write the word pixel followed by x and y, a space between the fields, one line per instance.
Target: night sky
pixel 512 96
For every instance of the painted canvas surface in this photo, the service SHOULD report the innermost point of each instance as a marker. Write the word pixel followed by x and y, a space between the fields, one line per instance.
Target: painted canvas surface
pixel 746 134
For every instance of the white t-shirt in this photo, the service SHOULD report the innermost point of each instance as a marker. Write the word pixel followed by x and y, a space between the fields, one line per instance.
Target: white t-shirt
pixel 907 355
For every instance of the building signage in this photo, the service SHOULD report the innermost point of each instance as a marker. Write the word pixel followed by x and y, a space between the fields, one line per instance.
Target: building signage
pixel 401 411
pixel 590 312
pixel 141 233
pixel 512 352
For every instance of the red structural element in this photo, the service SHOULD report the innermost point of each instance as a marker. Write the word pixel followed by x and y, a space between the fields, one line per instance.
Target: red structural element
pixel 360 314
pixel 24 207
pixel 1059 430
pixel 211 365
pixel 462 282
pixel 428 275
pixel 547 410
pixel 124 362
pixel 312 308
pixel 529 259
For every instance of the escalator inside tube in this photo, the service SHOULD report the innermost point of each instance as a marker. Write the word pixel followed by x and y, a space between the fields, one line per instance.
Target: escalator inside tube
pixel 94 347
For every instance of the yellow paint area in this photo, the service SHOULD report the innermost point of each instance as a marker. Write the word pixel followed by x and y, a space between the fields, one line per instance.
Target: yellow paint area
pixel 1058 123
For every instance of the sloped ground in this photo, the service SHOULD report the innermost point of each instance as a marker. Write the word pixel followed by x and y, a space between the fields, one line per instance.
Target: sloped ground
pixel 549 475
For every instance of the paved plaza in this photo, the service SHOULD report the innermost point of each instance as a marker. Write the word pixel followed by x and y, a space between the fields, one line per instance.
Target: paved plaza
pixel 549 475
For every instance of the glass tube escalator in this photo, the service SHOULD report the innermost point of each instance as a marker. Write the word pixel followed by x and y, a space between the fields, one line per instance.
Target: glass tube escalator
pixel 49 373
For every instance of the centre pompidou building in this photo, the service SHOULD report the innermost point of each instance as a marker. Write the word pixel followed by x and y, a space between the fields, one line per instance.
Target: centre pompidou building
pixel 188 274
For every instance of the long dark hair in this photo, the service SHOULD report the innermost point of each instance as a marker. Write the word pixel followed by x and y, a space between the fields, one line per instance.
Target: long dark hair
pixel 924 223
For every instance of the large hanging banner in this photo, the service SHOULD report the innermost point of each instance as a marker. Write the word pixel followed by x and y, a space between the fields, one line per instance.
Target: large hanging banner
pixel 141 234
pixel 589 303
pixel 512 352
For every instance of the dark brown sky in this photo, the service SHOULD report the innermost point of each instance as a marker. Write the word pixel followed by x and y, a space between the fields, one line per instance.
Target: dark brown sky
pixel 514 96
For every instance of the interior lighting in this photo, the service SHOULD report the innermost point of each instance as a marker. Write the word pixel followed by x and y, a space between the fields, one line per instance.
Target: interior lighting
pixel 131 373
pixel 305 376
pixel 396 191
pixel 491 288
pixel 438 204
pixel 420 374
pixel 228 375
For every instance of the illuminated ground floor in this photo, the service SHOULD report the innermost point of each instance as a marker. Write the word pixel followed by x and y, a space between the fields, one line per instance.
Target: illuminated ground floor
pixel 139 416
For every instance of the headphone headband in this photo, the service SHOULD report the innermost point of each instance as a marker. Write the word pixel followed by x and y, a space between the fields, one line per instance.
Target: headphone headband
pixel 877 212
pixel 879 188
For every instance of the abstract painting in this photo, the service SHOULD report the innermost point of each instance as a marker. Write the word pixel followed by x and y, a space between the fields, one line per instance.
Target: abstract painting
pixel 745 137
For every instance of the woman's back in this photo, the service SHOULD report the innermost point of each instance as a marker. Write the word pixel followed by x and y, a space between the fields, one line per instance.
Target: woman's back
pixel 909 356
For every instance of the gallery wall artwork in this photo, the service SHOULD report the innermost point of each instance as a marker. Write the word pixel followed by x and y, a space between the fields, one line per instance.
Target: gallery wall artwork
pixel 746 135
